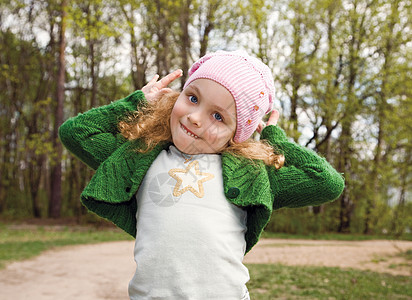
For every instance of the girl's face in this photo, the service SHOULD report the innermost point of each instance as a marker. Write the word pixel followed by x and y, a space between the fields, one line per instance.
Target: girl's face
pixel 203 119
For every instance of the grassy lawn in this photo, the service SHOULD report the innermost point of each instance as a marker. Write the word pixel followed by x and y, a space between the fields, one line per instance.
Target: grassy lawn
pixel 267 281
pixel 335 236
pixel 284 282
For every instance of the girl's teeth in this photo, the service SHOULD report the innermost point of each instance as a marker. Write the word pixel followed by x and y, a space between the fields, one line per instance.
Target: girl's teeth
pixel 190 134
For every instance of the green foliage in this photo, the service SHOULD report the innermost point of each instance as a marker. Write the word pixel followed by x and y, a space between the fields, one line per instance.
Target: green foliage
pixel 390 222
pixel 303 221
pixel 402 220
pixel 342 71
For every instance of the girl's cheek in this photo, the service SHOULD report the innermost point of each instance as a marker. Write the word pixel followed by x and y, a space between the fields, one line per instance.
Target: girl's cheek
pixel 176 109
pixel 217 133
pixel 179 106
pixel 177 113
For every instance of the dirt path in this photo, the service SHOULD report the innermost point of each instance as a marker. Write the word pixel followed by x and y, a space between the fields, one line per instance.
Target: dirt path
pixel 103 271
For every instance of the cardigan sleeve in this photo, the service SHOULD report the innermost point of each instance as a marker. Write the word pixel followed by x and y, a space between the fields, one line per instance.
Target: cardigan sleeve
pixel 305 179
pixel 93 136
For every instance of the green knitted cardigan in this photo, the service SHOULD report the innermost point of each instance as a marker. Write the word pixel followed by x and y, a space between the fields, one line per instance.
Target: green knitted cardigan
pixel 305 179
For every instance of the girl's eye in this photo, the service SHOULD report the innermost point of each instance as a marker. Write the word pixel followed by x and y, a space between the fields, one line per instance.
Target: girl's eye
pixel 193 99
pixel 218 117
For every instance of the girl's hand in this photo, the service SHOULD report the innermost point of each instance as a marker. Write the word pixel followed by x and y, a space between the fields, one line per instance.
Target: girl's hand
pixel 273 120
pixel 155 89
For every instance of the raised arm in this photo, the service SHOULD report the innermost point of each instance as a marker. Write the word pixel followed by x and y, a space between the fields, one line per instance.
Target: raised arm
pixel 305 179
pixel 93 136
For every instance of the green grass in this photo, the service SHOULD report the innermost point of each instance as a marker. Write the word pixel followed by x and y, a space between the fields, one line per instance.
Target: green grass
pixel 26 242
pixel 270 281
pixel 283 282
pixel 407 254
pixel 333 236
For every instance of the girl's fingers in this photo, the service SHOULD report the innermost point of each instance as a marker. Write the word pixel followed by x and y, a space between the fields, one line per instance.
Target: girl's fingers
pixel 260 126
pixel 154 88
pixel 165 81
pixel 165 91
pixel 273 118
pixel 154 79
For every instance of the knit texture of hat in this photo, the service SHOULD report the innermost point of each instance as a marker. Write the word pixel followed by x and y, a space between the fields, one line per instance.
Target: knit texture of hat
pixel 249 81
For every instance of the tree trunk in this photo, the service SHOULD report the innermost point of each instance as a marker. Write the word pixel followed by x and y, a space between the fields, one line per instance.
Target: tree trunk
pixel 137 69
pixel 162 51
pixel 398 226
pixel 5 180
pixel 344 165
pixel 382 108
pixel 296 73
pixel 210 19
pixel 56 173
pixel 93 98
pixel 35 171
pixel 185 39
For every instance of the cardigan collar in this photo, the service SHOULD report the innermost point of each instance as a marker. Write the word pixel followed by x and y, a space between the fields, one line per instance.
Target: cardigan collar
pixel 118 178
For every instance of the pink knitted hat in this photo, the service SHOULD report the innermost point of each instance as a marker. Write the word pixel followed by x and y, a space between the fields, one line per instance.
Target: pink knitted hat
pixel 248 80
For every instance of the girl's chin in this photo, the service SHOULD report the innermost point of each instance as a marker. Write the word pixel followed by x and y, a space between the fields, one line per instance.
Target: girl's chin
pixel 186 144
pixel 192 146
pixel 193 149
pixel 188 149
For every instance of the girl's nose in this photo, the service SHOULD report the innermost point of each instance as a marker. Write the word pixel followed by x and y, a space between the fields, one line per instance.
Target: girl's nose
pixel 194 118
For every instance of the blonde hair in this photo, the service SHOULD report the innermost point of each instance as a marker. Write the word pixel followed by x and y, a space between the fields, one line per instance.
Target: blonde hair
pixel 151 126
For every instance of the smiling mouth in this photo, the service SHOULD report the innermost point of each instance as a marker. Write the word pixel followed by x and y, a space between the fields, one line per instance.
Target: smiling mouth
pixel 188 132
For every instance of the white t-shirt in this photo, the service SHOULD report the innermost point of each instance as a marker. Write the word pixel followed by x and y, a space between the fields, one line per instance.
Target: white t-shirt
pixel 190 240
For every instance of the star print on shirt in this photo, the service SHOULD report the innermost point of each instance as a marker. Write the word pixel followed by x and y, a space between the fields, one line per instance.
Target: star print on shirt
pixel 190 180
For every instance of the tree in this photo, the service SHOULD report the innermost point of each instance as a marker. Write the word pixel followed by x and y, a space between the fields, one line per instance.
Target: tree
pixel 358 14
pixel 56 173
pixel 342 68
pixel 391 37
pixel 139 40
pixel 295 78
pixel 27 82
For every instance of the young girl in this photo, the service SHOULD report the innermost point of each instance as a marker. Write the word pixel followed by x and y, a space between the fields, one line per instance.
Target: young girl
pixel 181 174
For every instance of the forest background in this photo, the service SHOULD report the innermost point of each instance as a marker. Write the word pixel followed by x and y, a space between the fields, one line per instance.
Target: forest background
pixel 342 69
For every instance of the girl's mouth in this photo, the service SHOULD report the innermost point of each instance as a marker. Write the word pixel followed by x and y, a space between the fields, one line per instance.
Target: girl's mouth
pixel 188 132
